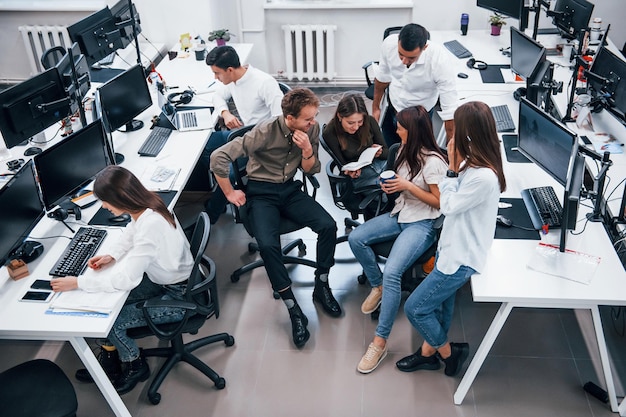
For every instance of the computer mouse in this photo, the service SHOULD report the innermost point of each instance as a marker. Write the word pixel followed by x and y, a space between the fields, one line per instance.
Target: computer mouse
pixel 32 151
pixel 122 218
pixel 462 75
pixel 503 221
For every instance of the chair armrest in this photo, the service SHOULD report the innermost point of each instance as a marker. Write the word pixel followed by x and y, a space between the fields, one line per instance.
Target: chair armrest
pixel 366 69
pixel 156 303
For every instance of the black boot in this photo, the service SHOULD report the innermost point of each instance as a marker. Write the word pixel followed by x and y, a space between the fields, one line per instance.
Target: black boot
pixel 323 295
pixel 299 322
pixel 110 362
pixel 133 372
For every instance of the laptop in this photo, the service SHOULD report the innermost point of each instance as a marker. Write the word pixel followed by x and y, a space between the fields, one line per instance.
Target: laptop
pixel 186 118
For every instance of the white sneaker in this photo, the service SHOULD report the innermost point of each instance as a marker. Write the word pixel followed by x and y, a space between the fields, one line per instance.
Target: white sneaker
pixel 371 359
pixel 372 301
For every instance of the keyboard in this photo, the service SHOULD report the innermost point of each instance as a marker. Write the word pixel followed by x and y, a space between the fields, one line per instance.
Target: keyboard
pixel 107 60
pixel 543 206
pixel 502 115
pixel 457 49
pixel 83 246
pixel 155 141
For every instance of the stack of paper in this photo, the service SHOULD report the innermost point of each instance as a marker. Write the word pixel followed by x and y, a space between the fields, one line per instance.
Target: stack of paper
pixel 81 302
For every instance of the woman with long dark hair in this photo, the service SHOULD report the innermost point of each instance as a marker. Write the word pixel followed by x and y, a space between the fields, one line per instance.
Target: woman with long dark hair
pixel 469 200
pixel 151 260
pixel 419 167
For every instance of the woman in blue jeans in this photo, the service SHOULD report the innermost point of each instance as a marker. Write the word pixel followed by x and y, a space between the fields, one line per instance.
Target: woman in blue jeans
pixel 419 167
pixel 469 200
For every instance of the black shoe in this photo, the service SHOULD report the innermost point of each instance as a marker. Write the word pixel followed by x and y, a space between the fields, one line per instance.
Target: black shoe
pixel 417 361
pixel 323 295
pixel 299 322
pixel 134 372
pixel 110 362
pixel 455 361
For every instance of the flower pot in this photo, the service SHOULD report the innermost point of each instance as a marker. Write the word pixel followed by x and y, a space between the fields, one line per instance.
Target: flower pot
pixel 495 30
pixel 220 42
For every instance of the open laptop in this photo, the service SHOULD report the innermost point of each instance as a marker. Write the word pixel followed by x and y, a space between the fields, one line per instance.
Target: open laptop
pixel 186 118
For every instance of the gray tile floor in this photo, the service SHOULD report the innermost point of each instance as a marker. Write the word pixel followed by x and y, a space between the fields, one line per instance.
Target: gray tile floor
pixel 536 368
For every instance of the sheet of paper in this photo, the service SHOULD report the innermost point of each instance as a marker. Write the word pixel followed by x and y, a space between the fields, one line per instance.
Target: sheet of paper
pixel 366 158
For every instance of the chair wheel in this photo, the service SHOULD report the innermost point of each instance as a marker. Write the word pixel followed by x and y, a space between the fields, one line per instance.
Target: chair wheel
pixel 276 295
pixel 220 384
pixel 234 278
pixel 230 341
pixel 155 399
pixel 251 248
pixel 361 279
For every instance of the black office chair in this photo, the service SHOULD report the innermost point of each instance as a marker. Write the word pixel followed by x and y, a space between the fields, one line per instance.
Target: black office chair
pixel 201 303
pixel 370 67
pixel 37 388
pixel 52 56
pixel 284 87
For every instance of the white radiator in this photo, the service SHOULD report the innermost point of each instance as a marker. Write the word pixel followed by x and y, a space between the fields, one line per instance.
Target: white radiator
pixel 309 51
pixel 38 39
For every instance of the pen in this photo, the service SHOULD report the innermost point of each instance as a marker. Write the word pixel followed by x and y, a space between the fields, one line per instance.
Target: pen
pixel 211 85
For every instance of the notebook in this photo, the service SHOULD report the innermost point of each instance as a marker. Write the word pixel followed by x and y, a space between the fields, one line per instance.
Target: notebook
pixel 186 118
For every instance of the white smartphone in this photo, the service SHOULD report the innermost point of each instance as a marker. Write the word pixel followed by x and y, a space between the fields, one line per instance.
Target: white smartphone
pixel 37 296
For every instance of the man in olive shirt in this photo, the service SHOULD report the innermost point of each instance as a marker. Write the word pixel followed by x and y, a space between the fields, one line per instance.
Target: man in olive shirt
pixel 276 149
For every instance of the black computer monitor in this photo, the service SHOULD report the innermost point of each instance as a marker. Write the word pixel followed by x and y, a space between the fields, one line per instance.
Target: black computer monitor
pixel 82 71
pixel 124 97
pixel 510 8
pixel 31 106
pixel 124 21
pixel 545 141
pixel 97 35
pixel 68 165
pixel 571 197
pixel 572 16
pixel 608 80
pixel 526 54
pixel 21 209
pixel 539 86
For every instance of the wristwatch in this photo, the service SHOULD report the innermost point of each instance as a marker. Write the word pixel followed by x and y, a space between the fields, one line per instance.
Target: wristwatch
pixel 451 174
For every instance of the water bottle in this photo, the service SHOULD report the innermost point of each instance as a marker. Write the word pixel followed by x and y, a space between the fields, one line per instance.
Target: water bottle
pixel 596 30
pixel 464 23
pixel 154 79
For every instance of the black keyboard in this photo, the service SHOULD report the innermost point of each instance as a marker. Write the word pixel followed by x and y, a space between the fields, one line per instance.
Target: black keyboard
pixel 457 49
pixel 83 246
pixel 155 141
pixel 543 206
pixel 107 60
pixel 502 115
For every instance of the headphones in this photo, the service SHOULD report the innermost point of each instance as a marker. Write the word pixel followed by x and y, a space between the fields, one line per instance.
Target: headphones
pixel 476 64
pixel 180 98
pixel 61 214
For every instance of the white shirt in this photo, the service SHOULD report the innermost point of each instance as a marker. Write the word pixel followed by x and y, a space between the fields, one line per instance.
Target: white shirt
pixel 256 94
pixel 470 204
pixel 429 78
pixel 149 245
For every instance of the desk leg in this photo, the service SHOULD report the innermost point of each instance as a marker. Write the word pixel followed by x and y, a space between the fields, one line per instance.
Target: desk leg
pixel 622 408
pixel 91 363
pixel 604 358
pixel 481 353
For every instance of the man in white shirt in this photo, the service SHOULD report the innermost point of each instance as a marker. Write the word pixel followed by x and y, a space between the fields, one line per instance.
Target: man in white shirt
pixel 416 72
pixel 257 97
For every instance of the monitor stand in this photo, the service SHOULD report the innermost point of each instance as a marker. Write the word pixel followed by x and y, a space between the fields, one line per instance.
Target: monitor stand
pixel 28 251
pixel 132 126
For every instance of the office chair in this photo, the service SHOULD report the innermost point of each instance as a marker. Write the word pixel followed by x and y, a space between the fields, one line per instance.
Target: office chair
pixel 52 56
pixel 37 388
pixel 284 87
pixel 370 67
pixel 201 303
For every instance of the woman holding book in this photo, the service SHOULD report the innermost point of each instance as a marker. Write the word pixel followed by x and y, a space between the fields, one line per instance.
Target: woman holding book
pixel 419 167
pixel 351 131
pixel 151 260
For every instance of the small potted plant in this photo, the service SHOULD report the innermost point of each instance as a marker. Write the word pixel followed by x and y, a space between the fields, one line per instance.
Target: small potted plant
pixel 496 22
pixel 220 36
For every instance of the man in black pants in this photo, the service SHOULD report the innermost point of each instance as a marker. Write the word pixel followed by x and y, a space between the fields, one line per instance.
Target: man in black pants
pixel 276 149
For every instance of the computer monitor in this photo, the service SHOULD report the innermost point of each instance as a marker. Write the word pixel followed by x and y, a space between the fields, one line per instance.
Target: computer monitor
pixel 68 165
pixel 124 97
pixel 608 80
pixel 526 54
pixel 97 35
pixel 545 141
pixel 572 16
pixel 123 20
pixel 31 106
pixel 21 209
pixel 539 86
pixel 510 8
pixel 571 197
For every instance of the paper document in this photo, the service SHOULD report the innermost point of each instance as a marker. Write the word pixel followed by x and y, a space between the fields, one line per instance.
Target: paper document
pixel 366 158
pixel 94 302
pixel 603 142
pixel 572 265
pixel 159 177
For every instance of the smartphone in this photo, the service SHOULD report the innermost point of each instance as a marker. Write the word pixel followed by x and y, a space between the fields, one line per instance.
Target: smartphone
pixel 41 284
pixel 37 296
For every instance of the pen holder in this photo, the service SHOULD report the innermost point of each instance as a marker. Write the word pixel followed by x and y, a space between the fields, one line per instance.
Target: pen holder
pixel 17 269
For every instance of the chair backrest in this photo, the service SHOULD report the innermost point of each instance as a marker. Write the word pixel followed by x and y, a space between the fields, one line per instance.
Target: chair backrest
pixel 238 166
pixel 52 56
pixel 284 87
pixel 391 30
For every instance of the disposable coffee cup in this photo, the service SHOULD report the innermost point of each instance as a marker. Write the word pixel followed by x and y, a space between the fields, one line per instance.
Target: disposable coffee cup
pixel 200 54
pixel 387 175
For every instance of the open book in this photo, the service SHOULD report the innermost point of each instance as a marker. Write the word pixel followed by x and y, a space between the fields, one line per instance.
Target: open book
pixel 366 158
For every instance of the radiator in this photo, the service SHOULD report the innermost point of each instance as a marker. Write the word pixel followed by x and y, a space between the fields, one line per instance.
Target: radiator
pixel 38 39
pixel 309 52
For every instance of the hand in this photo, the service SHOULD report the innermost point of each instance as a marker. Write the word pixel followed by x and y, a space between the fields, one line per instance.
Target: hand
pixel 353 174
pixel 231 121
pixel 453 156
pixel 379 151
pixel 376 113
pixel 237 197
pixel 97 262
pixel 301 139
pixel 395 185
pixel 64 284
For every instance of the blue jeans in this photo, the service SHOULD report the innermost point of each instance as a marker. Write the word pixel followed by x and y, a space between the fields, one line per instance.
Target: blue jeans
pixel 411 241
pixel 429 308
pixel 131 315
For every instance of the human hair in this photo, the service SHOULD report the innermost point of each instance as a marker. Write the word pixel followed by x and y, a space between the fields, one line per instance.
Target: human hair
pixel 413 36
pixel 346 107
pixel 295 100
pixel 420 139
pixel 120 188
pixel 223 57
pixel 476 140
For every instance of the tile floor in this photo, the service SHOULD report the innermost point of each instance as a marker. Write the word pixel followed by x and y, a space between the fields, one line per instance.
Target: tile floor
pixel 536 368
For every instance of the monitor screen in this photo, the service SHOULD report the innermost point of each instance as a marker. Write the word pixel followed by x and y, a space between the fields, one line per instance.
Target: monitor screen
pixel 526 54
pixel 97 35
pixel 545 141
pixel 21 209
pixel 32 106
pixel 572 16
pixel 121 13
pixel 612 69
pixel 68 165
pixel 117 107
pixel 510 8
pixel 571 198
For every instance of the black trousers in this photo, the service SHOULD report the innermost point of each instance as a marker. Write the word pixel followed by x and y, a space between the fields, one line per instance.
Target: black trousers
pixel 267 204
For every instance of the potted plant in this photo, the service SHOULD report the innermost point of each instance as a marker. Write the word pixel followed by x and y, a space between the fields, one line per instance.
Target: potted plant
pixel 496 22
pixel 220 36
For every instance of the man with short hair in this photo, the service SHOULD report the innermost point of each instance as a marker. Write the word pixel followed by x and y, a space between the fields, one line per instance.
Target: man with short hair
pixel 277 148
pixel 416 72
